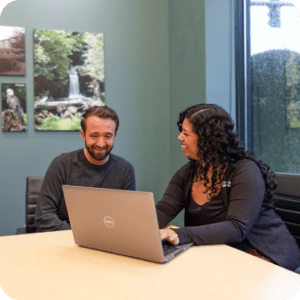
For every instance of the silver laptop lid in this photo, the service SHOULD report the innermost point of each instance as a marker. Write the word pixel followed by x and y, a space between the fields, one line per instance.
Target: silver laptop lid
pixel 118 221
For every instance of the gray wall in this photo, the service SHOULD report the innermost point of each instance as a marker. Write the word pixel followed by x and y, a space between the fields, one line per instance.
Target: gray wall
pixel 220 63
pixel 137 87
pixel 160 57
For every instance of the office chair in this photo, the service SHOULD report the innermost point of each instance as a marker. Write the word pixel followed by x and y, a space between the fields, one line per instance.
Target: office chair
pixel 287 202
pixel 33 186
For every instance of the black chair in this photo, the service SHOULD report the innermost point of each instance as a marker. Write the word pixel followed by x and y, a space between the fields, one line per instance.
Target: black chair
pixel 287 202
pixel 33 186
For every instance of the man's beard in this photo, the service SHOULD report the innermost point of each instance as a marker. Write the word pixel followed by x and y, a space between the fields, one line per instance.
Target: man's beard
pixel 98 156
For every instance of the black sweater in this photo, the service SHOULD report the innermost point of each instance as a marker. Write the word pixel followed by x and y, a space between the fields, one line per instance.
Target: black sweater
pixel 248 216
pixel 74 169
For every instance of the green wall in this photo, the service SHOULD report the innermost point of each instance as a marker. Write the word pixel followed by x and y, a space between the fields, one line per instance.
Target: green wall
pixel 137 87
pixel 201 62
pixel 186 69
pixel 160 58
pixel 187 65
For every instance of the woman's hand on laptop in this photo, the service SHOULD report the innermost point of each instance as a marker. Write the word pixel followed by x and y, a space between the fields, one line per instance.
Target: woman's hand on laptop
pixel 169 235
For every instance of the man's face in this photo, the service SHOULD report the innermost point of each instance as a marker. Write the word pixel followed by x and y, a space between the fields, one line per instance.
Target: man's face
pixel 99 138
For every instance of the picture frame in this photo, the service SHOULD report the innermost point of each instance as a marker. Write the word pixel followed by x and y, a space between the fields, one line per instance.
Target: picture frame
pixel 68 77
pixel 14 112
pixel 12 51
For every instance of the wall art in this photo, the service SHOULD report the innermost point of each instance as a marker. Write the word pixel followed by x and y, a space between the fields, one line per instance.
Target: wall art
pixel 68 77
pixel 12 51
pixel 13 114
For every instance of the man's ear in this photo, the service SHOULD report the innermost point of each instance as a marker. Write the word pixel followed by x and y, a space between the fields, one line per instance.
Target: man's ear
pixel 82 135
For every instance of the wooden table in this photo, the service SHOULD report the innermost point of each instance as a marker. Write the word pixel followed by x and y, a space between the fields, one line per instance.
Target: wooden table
pixel 45 266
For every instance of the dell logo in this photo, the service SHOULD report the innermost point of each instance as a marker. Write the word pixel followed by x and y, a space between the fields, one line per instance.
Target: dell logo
pixel 109 222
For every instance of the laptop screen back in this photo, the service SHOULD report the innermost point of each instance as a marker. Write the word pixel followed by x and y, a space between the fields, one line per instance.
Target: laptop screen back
pixel 118 221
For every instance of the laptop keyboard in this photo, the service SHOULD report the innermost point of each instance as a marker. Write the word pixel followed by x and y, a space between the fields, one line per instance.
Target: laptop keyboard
pixel 169 248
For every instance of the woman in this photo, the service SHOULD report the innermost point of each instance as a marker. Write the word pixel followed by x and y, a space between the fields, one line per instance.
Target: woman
pixel 226 192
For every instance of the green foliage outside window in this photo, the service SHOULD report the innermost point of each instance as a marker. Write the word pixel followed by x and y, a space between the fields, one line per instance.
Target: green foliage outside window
pixel 276 109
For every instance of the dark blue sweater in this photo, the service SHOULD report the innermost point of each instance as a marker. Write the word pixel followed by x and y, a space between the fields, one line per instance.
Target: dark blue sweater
pixel 74 169
pixel 247 217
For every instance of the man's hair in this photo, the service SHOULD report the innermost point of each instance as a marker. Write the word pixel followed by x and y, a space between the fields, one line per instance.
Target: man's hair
pixel 103 112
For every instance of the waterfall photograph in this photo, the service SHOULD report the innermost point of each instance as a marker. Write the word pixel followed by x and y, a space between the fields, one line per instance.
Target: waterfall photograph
pixel 68 77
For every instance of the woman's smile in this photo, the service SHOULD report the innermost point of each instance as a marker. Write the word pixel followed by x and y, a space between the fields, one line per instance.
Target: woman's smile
pixel 189 140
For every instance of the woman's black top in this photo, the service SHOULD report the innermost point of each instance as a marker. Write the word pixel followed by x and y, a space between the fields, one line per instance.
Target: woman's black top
pixel 244 217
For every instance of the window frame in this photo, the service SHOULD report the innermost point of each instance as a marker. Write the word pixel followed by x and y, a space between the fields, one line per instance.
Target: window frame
pixel 243 73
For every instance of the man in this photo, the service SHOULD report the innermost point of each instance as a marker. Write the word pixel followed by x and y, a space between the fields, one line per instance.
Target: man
pixel 92 166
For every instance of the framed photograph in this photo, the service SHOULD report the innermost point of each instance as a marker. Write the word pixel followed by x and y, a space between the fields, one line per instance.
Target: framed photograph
pixel 12 51
pixel 68 77
pixel 13 114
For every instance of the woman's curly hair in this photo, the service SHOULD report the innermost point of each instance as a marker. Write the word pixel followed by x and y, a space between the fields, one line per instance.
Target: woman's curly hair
pixel 219 146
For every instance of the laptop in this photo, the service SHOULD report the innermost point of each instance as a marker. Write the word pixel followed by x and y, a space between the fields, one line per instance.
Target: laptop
pixel 118 221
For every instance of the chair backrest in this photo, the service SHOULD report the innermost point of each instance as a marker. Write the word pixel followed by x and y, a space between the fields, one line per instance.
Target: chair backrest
pixel 287 202
pixel 33 186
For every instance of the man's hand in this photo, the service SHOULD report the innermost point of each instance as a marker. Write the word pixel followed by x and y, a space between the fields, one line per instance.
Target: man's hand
pixel 169 235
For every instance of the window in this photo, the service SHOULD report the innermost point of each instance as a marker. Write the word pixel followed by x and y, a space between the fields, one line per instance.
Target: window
pixel 268 81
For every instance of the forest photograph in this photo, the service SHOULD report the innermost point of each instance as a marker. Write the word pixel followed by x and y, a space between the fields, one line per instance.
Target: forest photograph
pixel 12 51
pixel 68 77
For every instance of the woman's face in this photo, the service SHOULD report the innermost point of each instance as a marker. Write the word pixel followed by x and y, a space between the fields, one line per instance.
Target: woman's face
pixel 189 140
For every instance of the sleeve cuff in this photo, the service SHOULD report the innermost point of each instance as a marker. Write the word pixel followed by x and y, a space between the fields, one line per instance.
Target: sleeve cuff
pixel 183 236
